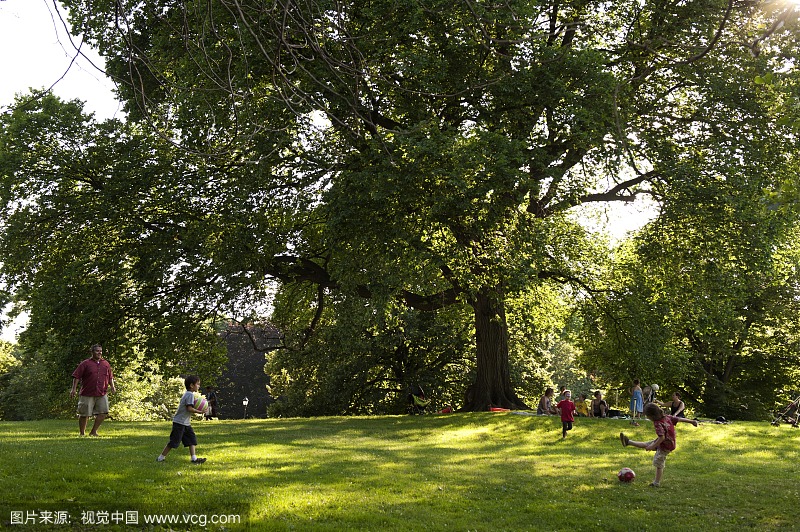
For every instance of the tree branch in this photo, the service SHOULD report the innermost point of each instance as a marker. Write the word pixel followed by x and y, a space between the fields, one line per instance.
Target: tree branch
pixel 292 269
pixel 613 194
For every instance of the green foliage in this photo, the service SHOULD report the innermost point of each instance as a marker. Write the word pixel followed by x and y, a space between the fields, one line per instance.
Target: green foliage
pixel 626 337
pixel 36 386
pixel 420 158
pixel 701 300
pixel 541 348
pixel 36 389
pixel 83 250
pixel 364 360
pixel 8 365
pixel 7 359
pixel 143 394
pixel 707 306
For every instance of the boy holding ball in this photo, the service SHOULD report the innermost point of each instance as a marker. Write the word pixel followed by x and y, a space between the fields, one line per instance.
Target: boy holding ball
pixel 182 431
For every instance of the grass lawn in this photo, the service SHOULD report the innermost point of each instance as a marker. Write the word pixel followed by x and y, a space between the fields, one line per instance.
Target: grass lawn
pixel 486 472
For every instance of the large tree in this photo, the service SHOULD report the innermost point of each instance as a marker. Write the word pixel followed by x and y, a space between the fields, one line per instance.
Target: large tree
pixel 425 152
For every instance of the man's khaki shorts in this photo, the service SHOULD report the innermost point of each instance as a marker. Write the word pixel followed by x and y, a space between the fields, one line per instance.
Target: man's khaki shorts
pixel 92 406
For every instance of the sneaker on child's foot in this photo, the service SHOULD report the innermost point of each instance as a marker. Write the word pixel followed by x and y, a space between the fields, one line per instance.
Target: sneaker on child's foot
pixel 198 460
pixel 624 439
pixel 655 484
pixel 160 458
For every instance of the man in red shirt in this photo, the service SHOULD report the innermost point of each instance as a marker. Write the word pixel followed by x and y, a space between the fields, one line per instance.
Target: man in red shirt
pixel 95 377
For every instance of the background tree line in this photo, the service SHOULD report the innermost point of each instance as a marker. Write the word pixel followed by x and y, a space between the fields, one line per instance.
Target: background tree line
pixel 403 188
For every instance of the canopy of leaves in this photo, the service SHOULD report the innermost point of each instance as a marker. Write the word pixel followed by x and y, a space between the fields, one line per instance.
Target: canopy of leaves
pixel 364 360
pixel 420 154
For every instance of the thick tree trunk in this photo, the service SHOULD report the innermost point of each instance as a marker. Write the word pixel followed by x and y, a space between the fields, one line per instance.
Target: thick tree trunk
pixel 492 386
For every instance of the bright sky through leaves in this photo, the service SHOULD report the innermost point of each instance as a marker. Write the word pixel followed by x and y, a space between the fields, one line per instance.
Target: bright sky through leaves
pixel 38 52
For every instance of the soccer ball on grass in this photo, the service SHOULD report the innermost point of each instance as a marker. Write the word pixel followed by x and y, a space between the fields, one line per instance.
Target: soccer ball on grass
pixel 626 475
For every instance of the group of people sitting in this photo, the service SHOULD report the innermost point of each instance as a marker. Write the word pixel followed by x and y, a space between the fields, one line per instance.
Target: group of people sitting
pixel 598 407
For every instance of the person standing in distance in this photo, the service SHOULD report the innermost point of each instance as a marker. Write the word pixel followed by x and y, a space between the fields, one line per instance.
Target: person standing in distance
pixel 95 377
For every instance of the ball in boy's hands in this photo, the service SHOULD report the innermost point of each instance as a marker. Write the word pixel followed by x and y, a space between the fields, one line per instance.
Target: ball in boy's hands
pixel 626 475
pixel 201 404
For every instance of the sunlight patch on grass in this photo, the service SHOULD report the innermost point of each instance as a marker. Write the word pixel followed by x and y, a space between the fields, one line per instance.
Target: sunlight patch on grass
pixel 463 435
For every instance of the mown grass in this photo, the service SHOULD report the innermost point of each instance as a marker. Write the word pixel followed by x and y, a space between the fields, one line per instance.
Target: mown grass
pixel 450 472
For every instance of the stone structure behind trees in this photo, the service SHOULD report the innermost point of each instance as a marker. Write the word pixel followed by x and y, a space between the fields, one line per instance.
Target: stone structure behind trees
pixel 244 374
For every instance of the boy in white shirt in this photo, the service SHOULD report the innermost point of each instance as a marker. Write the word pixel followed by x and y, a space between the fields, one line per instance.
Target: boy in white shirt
pixel 182 431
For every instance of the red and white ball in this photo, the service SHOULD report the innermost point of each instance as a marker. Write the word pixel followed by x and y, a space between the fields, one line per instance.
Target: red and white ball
pixel 626 475
pixel 201 404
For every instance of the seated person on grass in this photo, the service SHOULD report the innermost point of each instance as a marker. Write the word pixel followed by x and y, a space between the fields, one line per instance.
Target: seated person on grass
pixel 599 407
pixel 546 407
pixel 676 406
pixel 581 408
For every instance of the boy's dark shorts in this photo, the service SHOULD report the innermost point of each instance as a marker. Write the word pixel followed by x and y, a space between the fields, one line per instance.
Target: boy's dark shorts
pixel 182 434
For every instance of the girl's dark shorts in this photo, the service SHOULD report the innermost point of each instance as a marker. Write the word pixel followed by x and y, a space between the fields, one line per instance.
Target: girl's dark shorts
pixel 182 434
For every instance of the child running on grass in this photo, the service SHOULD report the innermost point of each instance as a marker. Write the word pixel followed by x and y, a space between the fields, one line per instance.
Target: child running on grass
pixel 665 441
pixel 566 408
pixel 182 431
